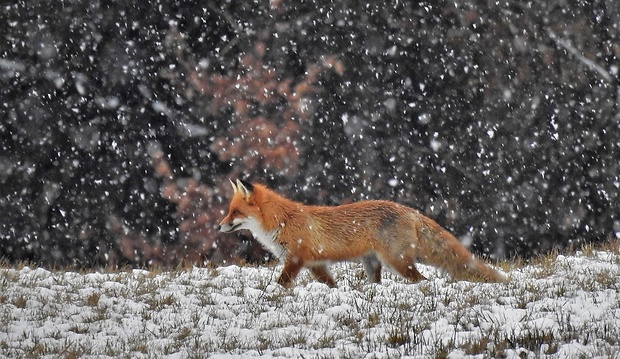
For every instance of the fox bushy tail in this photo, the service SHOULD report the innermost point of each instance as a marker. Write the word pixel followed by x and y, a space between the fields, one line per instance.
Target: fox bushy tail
pixel 440 248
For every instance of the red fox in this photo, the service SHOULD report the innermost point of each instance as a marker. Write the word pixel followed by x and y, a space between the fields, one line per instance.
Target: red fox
pixel 374 231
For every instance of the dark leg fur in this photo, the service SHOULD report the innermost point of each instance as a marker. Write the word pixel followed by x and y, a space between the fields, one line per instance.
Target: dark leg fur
pixel 289 272
pixel 321 273
pixel 372 268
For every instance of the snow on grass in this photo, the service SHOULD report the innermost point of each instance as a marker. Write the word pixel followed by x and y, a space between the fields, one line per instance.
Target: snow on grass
pixel 565 306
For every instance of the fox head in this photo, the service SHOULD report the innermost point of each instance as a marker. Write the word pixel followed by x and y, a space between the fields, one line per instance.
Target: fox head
pixel 243 212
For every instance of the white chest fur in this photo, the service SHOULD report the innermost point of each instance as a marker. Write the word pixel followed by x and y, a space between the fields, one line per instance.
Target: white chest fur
pixel 266 238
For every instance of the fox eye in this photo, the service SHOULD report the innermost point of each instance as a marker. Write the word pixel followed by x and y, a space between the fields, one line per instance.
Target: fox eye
pixel 236 212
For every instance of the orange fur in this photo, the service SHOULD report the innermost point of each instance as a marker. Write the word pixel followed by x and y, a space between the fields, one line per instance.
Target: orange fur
pixel 374 231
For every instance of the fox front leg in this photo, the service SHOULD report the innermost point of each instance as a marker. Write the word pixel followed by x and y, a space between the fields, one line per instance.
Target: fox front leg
pixel 321 273
pixel 290 271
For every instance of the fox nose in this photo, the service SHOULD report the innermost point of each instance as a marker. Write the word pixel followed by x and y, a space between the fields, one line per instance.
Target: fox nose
pixel 220 225
pixel 224 228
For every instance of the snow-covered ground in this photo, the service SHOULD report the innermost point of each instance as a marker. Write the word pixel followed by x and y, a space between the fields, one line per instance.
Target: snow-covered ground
pixel 567 306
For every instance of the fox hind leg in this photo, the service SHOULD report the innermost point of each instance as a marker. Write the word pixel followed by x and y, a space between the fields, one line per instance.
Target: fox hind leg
pixel 372 268
pixel 404 264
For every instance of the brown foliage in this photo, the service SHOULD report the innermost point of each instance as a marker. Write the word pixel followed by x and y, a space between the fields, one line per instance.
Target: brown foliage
pixel 267 108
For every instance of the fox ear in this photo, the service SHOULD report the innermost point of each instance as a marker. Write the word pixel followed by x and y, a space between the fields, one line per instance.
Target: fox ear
pixel 245 188
pixel 234 186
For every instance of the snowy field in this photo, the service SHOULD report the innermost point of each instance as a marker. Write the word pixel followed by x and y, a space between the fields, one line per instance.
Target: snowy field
pixel 561 307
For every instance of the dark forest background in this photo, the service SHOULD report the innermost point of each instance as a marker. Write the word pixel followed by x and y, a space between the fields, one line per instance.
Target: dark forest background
pixel 121 122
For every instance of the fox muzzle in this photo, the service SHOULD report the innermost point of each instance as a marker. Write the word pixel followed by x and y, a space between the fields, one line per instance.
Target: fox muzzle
pixel 225 228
